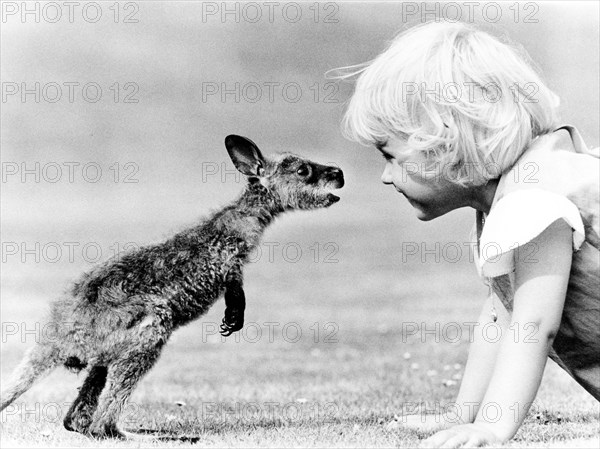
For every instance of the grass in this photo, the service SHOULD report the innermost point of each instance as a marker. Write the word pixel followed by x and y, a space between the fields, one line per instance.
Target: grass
pixel 340 387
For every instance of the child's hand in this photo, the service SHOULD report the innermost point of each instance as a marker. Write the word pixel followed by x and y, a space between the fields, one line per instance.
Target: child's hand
pixel 464 435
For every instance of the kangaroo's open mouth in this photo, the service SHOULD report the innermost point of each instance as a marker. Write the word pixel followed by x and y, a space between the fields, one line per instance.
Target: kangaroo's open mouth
pixel 334 184
pixel 333 198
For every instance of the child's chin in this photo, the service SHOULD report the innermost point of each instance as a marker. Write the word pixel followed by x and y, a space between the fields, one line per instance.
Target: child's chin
pixel 428 214
pixel 424 216
pixel 422 213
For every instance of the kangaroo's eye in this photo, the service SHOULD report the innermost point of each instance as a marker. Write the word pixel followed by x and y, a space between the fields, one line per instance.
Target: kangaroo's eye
pixel 303 170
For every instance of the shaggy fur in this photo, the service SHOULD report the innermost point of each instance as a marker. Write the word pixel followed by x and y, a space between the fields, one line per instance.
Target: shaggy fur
pixel 118 317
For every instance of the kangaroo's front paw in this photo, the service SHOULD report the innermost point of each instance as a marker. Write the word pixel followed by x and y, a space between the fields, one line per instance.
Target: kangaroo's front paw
pixel 233 321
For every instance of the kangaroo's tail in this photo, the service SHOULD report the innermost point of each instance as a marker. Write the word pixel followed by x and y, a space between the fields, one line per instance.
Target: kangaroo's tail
pixel 38 361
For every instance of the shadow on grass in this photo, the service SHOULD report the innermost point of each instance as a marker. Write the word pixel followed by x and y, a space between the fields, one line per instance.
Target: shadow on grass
pixel 161 435
pixel 541 426
pixel 192 432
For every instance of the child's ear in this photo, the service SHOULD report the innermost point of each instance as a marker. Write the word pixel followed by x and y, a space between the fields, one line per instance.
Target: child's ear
pixel 245 155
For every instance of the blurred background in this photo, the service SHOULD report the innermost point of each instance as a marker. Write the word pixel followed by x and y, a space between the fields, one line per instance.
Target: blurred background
pixel 145 156
pixel 132 151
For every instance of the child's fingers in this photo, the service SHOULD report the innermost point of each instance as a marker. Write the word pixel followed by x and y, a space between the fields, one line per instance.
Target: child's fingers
pixel 437 439
pixel 455 441
pixel 475 441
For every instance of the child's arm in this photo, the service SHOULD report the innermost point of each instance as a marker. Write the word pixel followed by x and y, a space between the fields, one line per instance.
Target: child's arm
pixel 541 285
pixel 480 363
pixel 478 371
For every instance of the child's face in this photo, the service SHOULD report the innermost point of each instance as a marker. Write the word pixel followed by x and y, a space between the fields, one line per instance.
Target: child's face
pixel 431 195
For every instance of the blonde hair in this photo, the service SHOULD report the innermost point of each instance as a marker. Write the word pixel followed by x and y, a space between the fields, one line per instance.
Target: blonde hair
pixel 456 93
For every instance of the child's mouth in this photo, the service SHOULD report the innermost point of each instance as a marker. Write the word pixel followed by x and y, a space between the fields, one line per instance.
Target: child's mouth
pixel 412 201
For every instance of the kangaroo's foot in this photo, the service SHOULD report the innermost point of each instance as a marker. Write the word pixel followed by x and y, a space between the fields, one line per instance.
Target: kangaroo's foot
pixel 103 430
pixel 78 422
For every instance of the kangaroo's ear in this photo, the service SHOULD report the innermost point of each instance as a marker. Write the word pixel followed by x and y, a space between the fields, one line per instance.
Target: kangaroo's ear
pixel 245 155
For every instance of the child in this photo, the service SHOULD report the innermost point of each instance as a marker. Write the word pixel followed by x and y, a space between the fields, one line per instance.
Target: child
pixel 462 120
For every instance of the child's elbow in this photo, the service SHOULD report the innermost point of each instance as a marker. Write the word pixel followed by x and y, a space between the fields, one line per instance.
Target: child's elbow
pixel 545 330
pixel 550 334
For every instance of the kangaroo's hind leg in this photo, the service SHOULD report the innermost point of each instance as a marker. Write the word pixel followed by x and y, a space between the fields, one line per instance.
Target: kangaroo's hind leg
pixel 123 376
pixel 79 416
pixel 130 359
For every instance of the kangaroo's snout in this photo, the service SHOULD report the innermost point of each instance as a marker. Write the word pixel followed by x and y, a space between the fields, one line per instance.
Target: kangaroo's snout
pixel 332 178
pixel 336 176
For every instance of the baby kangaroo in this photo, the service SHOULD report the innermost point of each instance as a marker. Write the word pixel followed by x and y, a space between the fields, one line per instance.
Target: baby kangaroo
pixel 117 318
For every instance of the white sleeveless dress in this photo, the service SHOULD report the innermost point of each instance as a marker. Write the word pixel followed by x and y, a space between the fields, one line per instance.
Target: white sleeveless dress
pixel 556 177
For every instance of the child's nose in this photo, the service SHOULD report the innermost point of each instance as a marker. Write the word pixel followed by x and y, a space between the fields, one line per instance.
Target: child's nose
pixel 386 176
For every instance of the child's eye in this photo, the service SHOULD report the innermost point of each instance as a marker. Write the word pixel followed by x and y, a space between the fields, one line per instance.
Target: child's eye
pixel 380 146
pixel 387 157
